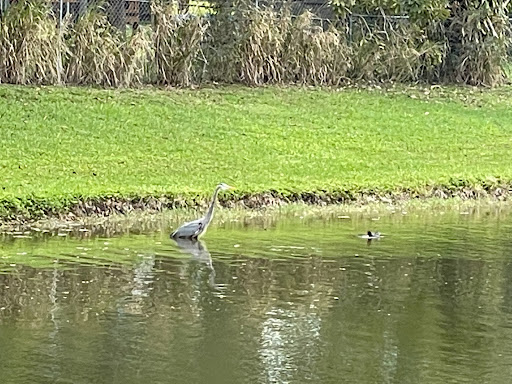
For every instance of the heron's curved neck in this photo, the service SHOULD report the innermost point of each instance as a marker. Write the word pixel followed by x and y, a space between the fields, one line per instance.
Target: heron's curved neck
pixel 209 214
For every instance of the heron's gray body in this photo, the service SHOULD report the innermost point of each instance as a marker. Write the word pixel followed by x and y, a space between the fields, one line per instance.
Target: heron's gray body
pixel 194 229
pixel 191 230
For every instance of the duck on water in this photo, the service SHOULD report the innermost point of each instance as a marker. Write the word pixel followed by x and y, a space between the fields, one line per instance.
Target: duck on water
pixel 371 235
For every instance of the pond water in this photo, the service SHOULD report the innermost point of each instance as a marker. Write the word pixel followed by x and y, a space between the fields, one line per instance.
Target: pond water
pixel 263 300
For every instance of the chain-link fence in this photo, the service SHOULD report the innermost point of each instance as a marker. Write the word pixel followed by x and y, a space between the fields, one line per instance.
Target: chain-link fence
pixel 123 13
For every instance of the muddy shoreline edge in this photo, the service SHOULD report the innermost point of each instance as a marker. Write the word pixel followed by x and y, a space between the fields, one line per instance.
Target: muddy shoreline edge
pixel 102 208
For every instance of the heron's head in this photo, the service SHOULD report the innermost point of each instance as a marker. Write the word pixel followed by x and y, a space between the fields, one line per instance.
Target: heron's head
pixel 225 187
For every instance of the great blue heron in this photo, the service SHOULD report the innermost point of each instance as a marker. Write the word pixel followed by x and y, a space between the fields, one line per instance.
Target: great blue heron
pixel 194 229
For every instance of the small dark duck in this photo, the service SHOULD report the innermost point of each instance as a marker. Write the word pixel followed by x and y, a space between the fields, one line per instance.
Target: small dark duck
pixel 370 235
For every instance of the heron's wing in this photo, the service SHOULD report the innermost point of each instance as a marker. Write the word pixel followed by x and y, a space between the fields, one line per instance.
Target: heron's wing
pixel 189 229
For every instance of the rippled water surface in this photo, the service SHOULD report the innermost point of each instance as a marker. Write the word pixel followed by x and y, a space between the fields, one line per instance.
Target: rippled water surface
pixel 281 300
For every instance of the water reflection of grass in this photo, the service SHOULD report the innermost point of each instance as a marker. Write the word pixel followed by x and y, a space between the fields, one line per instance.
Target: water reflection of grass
pixel 61 145
pixel 62 253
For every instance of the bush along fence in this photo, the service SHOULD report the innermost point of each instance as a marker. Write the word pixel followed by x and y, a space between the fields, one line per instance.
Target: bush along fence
pixel 462 41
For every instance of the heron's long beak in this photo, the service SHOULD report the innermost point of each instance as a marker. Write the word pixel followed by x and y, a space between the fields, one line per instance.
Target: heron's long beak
pixel 230 187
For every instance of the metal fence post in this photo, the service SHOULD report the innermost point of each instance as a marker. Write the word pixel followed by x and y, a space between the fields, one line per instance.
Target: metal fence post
pixel 350 26
pixel 59 47
pixel 61 6
pixel 4 4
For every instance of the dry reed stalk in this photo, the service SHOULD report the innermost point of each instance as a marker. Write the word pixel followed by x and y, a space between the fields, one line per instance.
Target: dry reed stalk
pixel 261 46
pixel 273 46
pixel 255 46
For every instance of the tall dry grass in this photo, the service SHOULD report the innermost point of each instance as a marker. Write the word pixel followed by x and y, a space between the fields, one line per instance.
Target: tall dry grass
pixel 138 53
pixel 264 46
pixel 177 43
pixel 479 36
pixel 391 50
pixel 31 47
pixel 315 56
pixel 261 46
pixel 254 46
pixel 96 54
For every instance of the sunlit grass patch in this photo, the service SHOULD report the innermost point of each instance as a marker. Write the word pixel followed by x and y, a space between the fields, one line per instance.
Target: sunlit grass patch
pixel 61 145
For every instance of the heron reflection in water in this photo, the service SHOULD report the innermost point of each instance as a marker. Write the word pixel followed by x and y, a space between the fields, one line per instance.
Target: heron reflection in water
pixel 196 248
pixel 200 254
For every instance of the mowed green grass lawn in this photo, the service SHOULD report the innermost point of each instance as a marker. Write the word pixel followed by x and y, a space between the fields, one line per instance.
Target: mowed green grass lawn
pixel 62 144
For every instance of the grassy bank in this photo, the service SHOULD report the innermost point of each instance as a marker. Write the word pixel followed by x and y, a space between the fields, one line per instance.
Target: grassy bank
pixel 61 146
